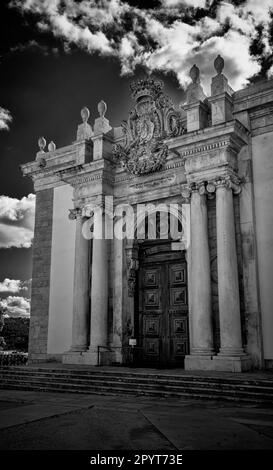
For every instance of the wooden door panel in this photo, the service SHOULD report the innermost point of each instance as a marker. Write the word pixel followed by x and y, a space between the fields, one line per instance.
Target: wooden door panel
pixel 152 311
pixel 178 312
pixel 163 310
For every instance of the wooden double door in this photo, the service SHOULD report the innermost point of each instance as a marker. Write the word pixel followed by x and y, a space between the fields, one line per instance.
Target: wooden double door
pixel 163 307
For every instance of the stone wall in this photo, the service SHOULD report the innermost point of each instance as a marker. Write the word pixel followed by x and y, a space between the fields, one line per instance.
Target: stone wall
pixel 41 275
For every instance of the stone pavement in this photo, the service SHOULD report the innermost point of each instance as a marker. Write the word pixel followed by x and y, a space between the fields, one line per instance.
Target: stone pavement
pixel 35 420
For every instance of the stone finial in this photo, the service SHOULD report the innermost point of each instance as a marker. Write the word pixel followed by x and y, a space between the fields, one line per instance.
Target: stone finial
pixel 219 85
pixel 219 64
pixel 195 74
pixel 84 130
pixel 102 125
pixel 195 92
pixel 85 113
pixel 102 108
pixel 41 143
pixel 51 146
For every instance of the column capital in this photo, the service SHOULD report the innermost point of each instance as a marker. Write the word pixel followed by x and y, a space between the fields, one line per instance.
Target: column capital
pixel 199 187
pixel 75 213
pixel 232 182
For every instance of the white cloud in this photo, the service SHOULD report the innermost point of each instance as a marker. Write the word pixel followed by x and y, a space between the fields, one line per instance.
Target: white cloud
pixel 14 286
pixel 176 45
pixel 15 306
pixel 190 3
pixel 5 119
pixel 10 285
pixel 16 221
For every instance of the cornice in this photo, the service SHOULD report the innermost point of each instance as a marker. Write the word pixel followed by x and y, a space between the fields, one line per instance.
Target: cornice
pixel 210 138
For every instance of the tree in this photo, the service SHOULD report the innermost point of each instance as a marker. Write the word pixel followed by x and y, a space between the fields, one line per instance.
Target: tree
pixel 2 341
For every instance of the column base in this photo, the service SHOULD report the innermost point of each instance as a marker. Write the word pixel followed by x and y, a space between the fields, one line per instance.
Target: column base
pixel 218 363
pixel 73 357
pixel 78 348
pixel 232 363
pixel 198 362
pixel 82 358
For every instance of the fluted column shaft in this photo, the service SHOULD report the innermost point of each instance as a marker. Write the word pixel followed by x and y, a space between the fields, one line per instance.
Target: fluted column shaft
pixel 81 314
pixel 228 285
pixel 202 336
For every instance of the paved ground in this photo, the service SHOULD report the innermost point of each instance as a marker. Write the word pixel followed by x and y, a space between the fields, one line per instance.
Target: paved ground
pixel 34 420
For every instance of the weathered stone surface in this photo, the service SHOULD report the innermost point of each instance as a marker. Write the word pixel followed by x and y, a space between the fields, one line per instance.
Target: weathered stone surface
pixel 41 275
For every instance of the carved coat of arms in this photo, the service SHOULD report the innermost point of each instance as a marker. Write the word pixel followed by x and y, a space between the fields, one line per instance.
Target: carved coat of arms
pixel 152 120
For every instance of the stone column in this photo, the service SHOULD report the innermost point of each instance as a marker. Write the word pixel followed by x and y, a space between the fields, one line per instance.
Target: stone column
pixel 231 356
pixel 99 290
pixel 117 292
pixel 201 314
pixel 81 304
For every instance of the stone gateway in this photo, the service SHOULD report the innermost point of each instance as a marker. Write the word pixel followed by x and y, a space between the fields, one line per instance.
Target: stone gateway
pixel 153 241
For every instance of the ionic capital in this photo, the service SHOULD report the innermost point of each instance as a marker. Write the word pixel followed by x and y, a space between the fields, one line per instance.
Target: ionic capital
pixel 232 182
pixel 198 187
pixel 75 213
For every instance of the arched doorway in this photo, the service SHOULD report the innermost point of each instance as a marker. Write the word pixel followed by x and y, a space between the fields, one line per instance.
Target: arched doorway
pixel 161 319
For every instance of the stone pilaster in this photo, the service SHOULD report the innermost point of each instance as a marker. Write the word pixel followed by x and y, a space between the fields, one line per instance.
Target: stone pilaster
pixel 201 348
pixel 40 291
pixel 81 304
pixel 231 356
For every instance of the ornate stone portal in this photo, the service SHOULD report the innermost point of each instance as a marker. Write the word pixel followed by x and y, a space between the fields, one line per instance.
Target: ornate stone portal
pixel 190 299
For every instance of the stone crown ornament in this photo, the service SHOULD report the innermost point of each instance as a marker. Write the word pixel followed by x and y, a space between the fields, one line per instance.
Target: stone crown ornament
pixel 152 119
pixel 146 87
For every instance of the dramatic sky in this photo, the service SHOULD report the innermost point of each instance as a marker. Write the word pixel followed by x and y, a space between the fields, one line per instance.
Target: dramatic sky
pixel 58 55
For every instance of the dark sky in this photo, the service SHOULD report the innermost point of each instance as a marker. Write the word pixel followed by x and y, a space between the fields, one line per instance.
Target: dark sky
pixel 45 88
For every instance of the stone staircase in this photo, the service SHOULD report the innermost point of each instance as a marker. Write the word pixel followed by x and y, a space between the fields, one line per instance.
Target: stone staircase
pixel 143 383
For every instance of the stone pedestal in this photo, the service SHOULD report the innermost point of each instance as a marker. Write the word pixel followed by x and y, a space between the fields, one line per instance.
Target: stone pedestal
pixel 221 108
pixel 197 116
pixel 81 305
pixel 201 317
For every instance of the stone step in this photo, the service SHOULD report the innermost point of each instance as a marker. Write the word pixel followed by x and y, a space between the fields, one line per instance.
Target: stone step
pixel 190 378
pixel 103 390
pixel 138 387
pixel 136 381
